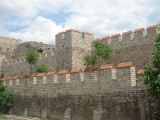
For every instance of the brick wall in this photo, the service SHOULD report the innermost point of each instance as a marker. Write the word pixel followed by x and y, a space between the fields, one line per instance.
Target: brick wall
pixel 107 92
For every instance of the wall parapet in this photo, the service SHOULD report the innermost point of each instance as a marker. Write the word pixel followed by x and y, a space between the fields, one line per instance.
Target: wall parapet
pixel 8 62
pixel 108 73
pixel 139 33
pixel 74 30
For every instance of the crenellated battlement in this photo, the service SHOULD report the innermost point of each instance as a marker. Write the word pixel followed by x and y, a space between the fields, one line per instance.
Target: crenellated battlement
pixel 19 66
pixel 10 39
pixel 74 30
pixel 8 44
pixel 110 77
pixel 44 55
pixel 136 34
pixel 72 45
pixel 70 89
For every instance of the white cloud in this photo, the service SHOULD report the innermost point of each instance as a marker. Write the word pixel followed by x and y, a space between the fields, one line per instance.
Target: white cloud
pixel 100 17
pixel 40 30
pixel 110 17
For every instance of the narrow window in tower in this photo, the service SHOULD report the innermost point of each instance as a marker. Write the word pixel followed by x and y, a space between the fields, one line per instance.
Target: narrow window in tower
pixel 7 49
pixel 0 48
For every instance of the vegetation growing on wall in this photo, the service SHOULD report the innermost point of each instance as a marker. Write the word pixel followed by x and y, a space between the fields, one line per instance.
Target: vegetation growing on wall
pixel 31 57
pixel 6 100
pixel 42 69
pixel 100 53
pixel 151 76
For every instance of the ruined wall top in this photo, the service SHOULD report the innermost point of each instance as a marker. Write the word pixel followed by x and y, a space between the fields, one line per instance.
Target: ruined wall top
pixel 8 44
pixel 39 46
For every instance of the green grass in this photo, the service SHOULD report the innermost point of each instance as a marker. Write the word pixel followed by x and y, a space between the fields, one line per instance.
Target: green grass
pixel 3 117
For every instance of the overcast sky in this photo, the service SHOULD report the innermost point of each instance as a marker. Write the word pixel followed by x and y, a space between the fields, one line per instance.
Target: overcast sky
pixel 40 20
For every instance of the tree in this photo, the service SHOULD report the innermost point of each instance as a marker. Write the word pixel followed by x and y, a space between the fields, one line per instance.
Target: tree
pixel 100 52
pixel 42 69
pixel 6 100
pixel 31 57
pixel 151 76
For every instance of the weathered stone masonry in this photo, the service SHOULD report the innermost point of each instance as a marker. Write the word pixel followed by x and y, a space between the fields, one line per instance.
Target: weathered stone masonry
pixel 72 45
pixel 72 92
pixel 107 92
pixel 8 44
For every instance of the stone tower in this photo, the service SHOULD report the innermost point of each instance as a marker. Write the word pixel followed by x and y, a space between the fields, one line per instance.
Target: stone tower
pixel 72 46
pixel 8 44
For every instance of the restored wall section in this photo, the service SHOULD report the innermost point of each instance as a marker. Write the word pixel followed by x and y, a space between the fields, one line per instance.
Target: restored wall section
pixel 136 46
pixel 77 81
pixel 107 92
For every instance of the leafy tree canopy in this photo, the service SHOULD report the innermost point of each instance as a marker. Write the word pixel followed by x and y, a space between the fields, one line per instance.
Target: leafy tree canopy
pixel 151 76
pixel 31 56
pixel 100 52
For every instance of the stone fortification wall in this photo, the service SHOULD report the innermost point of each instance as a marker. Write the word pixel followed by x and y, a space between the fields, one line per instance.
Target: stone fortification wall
pixel 7 47
pixel 107 92
pixel 13 67
pixel 23 47
pixel 106 78
pixel 72 45
pixel 1 66
pixel 8 44
pixel 136 46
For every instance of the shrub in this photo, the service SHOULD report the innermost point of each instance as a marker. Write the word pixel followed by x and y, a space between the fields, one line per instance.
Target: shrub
pixel 42 69
pixel 6 100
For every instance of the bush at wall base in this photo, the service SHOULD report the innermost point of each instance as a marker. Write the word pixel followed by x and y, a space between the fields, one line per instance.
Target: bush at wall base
pixel 6 100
